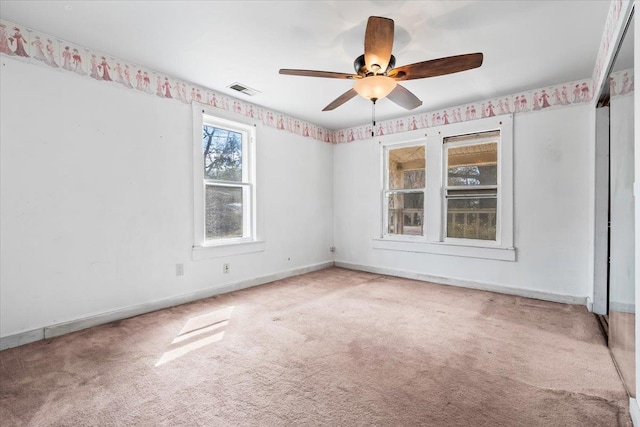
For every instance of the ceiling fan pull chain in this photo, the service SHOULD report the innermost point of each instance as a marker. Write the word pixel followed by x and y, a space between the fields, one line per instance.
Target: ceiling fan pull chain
pixel 373 117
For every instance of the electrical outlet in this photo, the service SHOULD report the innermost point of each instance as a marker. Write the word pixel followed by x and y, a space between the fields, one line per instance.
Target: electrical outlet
pixel 225 268
pixel 179 269
pixel 332 248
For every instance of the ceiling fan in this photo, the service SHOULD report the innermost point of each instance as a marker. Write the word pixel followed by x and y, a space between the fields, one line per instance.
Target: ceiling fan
pixel 376 74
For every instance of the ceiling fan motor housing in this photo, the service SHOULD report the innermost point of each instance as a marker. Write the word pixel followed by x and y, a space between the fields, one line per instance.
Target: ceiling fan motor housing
pixel 361 68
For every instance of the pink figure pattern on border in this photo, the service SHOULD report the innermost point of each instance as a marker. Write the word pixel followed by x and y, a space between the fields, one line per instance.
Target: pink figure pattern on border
pixel 146 82
pixel 39 54
pixel 544 97
pixel 557 100
pixel 127 77
pixel 139 80
pixel 536 102
pixel 159 87
pixel 76 60
pixel 576 94
pixel 490 112
pixel 66 58
pixel 104 66
pixel 19 40
pixel 119 77
pixel 625 84
pixel 94 68
pixel 4 42
pixel 523 104
pixel 167 88
pixel 565 96
pixel 612 87
pixel 584 90
pixel 51 55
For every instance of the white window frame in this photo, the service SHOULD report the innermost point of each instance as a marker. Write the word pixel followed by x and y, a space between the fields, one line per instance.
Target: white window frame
pixel 249 242
pixel 445 179
pixel 434 239
pixel 386 190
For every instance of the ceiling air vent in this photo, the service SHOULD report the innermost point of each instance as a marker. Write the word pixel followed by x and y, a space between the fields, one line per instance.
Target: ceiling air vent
pixel 239 87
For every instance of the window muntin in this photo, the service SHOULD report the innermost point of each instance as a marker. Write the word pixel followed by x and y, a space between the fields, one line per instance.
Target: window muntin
pixel 227 181
pixel 404 193
pixel 471 186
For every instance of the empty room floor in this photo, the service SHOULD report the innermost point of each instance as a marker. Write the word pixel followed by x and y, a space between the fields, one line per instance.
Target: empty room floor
pixel 334 347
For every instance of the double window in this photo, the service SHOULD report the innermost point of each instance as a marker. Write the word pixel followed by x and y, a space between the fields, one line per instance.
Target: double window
pixel 450 185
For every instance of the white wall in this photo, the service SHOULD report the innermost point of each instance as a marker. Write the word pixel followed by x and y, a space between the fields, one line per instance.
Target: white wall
pixel 552 230
pixel 96 200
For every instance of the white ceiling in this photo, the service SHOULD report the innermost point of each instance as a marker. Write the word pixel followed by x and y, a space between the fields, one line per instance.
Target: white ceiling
pixel 526 45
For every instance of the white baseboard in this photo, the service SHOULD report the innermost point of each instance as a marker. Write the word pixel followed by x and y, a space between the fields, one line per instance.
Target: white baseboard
pixel 528 293
pixel 87 322
pixel 21 338
pixel 634 411
pixel 589 305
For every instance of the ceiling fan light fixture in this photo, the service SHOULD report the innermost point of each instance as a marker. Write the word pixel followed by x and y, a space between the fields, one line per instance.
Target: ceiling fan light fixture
pixel 374 87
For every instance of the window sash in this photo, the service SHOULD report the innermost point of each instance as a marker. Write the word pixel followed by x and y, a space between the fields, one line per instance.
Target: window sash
pixel 244 147
pixel 397 220
pixel 247 196
pixel 469 217
pixel 470 192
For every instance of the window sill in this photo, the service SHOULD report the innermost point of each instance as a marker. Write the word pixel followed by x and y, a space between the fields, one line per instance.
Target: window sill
pixel 218 251
pixel 446 248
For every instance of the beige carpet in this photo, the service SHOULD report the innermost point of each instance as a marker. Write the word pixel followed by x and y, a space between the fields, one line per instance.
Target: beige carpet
pixel 333 348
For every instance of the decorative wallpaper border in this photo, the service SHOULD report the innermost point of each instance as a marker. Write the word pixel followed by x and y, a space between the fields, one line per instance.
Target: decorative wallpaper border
pixel 614 26
pixel 25 44
pixel 551 97
pixel 621 83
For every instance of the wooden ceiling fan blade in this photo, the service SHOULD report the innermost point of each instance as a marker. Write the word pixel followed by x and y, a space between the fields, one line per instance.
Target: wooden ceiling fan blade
pixel 404 98
pixel 378 43
pixel 314 73
pixel 437 67
pixel 341 100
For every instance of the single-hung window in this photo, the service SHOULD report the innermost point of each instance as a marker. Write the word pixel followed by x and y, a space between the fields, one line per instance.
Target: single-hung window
pixel 471 186
pixel 224 172
pixel 404 190
pixel 226 182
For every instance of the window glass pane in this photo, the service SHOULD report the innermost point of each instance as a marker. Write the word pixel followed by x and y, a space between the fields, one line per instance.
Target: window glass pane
pixel 222 151
pixel 472 218
pixel 406 168
pixel 223 212
pixel 473 164
pixel 406 213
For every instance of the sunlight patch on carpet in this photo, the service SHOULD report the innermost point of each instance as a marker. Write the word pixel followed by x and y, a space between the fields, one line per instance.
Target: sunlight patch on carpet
pixel 206 326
